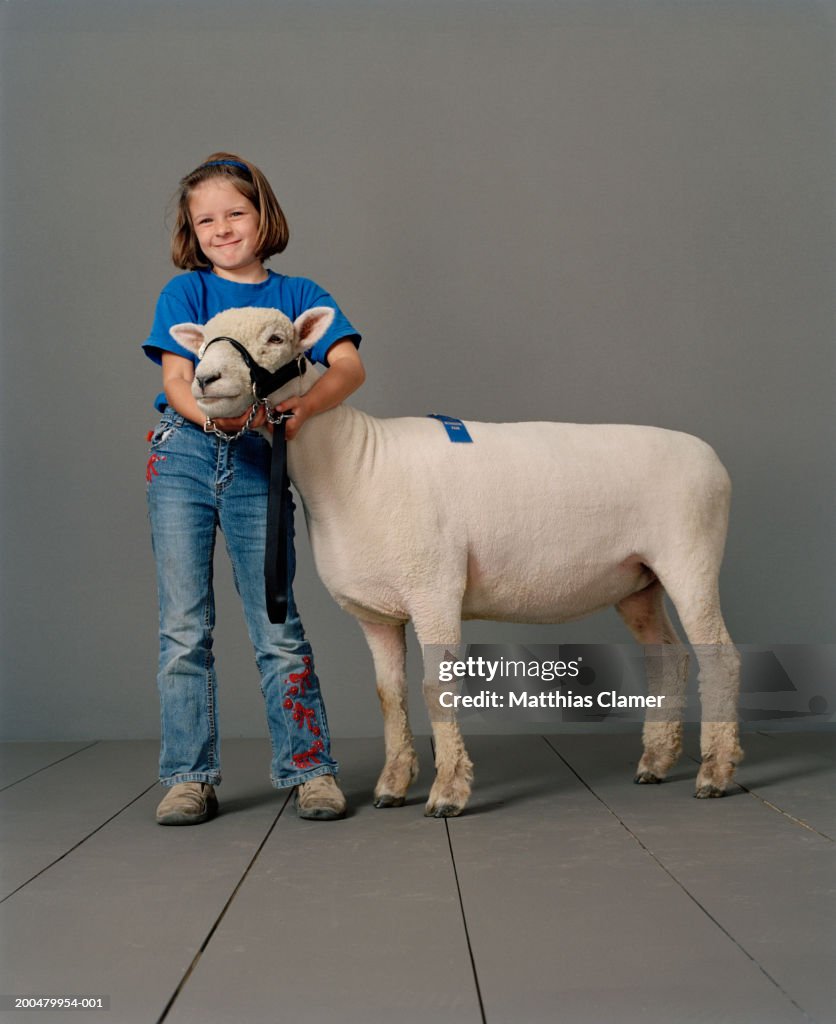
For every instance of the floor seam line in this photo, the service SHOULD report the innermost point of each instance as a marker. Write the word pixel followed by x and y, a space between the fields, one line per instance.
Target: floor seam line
pixel 681 886
pixel 50 765
pixel 81 842
pixel 777 809
pixel 205 944
pixel 473 970
pixel 464 923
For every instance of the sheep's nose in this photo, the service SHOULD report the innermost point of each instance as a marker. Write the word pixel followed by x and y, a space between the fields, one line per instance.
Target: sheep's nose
pixel 203 382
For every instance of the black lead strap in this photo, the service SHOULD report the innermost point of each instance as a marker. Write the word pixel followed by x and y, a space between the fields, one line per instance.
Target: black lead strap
pixel 276 583
pixel 275 553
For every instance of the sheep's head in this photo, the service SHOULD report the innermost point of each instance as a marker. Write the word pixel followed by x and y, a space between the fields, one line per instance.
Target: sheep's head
pixel 222 383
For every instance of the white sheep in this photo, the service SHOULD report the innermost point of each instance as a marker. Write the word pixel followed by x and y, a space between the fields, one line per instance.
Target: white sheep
pixel 533 522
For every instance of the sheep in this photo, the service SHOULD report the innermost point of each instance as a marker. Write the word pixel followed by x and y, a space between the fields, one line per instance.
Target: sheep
pixel 533 522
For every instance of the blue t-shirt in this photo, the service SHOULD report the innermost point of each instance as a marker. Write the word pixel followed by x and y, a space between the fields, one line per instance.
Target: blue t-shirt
pixel 196 296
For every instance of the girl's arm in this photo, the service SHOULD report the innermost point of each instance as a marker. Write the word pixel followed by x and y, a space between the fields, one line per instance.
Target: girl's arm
pixel 344 375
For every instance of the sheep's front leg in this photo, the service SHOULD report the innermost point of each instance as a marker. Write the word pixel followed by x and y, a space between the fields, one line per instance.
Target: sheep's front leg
pixel 454 773
pixel 454 769
pixel 388 647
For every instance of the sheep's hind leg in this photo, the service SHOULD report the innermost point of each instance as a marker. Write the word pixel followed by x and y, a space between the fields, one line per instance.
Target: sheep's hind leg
pixel 666 665
pixel 719 735
pixel 388 646
pixel 454 770
pixel 698 605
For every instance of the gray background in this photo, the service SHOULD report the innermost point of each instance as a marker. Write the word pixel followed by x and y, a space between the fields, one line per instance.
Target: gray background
pixel 580 211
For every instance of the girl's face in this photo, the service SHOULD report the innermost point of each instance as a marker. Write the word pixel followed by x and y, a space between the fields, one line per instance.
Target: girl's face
pixel 226 225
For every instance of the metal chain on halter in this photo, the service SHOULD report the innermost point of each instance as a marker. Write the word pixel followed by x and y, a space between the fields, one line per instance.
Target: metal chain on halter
pixel 274 418
pixel 210 427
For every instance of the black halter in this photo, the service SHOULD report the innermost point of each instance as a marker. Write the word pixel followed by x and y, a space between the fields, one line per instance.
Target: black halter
pixel 264 381
pixel 275 554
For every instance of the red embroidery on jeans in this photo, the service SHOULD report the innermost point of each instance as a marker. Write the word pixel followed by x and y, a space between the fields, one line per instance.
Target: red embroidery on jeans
pixel 151 469
pixel 302 716
pixel 298 684
pixel 308 758
pixel 300 681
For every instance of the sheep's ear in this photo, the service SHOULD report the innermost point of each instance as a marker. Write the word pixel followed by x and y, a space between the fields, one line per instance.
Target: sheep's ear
pixel 311 326
pixel 189 336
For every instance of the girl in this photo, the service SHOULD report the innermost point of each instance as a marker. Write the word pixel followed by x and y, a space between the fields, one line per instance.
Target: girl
pixel 228 223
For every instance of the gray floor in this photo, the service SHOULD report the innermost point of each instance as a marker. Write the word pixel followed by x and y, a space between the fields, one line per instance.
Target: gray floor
pixel 565 894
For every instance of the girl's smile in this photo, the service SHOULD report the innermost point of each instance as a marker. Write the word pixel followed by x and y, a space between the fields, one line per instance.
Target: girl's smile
pixel 226 225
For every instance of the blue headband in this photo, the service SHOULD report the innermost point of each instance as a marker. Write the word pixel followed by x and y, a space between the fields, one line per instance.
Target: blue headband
pixel 226 163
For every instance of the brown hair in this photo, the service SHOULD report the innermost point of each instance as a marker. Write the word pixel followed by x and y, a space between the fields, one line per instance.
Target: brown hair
pixel 273 232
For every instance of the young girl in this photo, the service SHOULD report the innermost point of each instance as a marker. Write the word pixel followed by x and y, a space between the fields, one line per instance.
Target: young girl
pixel 228 222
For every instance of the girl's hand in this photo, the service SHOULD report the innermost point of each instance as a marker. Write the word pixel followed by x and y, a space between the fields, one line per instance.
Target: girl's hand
pixel 344 375
pixel 299 407
pixel 232 426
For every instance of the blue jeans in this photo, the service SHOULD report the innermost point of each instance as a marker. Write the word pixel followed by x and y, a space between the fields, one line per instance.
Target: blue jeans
pixel 196 483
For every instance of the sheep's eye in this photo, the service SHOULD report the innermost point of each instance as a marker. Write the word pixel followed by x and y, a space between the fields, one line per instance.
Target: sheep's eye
pixel 275 339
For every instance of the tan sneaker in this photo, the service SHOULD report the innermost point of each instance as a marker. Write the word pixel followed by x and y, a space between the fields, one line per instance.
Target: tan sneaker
pixel 188 803
pixel 320 799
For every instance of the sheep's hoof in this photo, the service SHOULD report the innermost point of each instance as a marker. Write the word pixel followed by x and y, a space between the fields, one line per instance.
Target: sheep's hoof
pixel 443 811
pixel 708 790
pixel 646 777
pixel 387 800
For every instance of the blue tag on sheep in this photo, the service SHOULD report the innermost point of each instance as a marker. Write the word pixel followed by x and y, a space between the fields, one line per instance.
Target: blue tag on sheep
pixel 456 430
